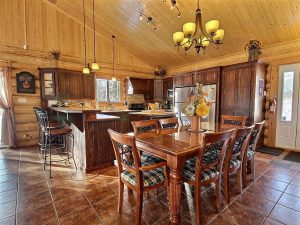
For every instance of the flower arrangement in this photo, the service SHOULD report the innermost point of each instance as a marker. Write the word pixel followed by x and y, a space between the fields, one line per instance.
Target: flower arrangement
pixel 197 105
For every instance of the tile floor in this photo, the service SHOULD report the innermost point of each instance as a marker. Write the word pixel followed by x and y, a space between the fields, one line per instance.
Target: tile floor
pixel 28 196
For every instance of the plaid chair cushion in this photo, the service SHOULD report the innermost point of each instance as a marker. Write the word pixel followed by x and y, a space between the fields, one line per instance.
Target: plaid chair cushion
pixel 212 153
pixel 253 137
pixel 235 163
pixel 238 144
pixel 146 129
pixel 150 158
pixel 189 171
pixel 150 177
pixel 169 126
pixel 250 154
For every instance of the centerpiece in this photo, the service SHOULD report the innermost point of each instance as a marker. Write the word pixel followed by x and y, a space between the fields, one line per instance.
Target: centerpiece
pixel 196 106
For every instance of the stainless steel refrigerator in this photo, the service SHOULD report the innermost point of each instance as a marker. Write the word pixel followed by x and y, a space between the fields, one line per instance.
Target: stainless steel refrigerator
pixel 182 93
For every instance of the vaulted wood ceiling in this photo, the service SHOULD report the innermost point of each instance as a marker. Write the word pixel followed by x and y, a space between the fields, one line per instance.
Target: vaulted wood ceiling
pixel 270 21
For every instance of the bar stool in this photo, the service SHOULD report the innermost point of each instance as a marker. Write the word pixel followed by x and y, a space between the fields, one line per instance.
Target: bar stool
pixel 56 139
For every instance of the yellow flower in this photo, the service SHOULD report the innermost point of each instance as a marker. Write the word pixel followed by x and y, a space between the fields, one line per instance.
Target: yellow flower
pixel 202 110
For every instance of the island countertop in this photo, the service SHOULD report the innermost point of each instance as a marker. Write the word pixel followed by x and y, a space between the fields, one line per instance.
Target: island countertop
pixel 88 109
pixel 152 114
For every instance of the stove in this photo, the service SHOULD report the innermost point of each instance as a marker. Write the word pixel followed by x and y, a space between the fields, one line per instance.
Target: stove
pixel 136 106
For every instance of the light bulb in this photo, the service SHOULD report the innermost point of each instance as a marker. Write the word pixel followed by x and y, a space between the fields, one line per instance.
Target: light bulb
pixel 113 79
pixel 95 66
pixel 86 70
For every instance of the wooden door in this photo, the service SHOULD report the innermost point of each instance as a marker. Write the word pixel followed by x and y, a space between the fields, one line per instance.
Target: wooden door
pixel 243 91
pixel 227 91
pixel 63 84
pixel 88 86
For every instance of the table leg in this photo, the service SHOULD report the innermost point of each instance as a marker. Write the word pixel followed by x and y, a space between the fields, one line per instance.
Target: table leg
pixel 175 188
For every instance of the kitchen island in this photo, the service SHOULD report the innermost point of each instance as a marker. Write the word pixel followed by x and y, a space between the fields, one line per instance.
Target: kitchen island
pixel 92 144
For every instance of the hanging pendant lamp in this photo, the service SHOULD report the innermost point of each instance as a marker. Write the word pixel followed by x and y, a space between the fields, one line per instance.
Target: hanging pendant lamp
pixel 95 65
pixel 86 69
pixel 113 57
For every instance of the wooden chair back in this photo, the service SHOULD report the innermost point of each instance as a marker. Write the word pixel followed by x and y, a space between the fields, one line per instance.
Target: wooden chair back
pixel 168 125
pixel 213 142
pixel 145 128
pixel 125 151
pixel 256 134
pixel 233 120
pixel 239 143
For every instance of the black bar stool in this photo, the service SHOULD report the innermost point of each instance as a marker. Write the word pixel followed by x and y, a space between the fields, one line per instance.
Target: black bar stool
pixel 57 139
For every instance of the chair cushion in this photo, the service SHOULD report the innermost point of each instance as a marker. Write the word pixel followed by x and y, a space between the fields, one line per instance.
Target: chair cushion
pixel 253 136
pixel 238 144
pixel 250 154
pixel 150 177
pixel 169 125
pixel 150 158
pixel 189 171
pixel 235 163
pixel 146 129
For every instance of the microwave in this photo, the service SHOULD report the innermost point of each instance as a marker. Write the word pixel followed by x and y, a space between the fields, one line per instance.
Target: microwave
pixel 170 93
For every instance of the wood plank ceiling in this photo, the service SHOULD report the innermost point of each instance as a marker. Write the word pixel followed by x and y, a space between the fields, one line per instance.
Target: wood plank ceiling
pixel 270 21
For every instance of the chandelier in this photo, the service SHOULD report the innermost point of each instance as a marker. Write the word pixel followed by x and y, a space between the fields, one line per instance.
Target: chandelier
pixel 193 34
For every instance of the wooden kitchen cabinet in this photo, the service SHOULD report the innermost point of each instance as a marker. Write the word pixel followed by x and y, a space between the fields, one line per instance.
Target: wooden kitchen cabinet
pixel 143 86
pixel 158 89
pixel 67 84
pixel 89 86
pixel 242 90
pixel 183 80
pixel 167 85
pixel 207 76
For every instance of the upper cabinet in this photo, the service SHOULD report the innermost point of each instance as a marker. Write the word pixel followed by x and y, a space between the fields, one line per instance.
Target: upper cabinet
pixel 207 76
pixel 158 87
pixel 183 80
pixel 143 86
pixel 66 84
pixel 167 86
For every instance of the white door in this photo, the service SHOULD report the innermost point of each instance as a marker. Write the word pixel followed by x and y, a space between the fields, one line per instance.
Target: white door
pixel 288 116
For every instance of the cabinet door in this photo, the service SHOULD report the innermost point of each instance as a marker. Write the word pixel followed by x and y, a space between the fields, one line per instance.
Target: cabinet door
pixel 227 92
pixel 75 85
pixel 177 81
pixel 89 86
pixel 207 76
pixel 243 87
pixel 63 84
pixel 158 89
pixel 167 85
pixel 187 79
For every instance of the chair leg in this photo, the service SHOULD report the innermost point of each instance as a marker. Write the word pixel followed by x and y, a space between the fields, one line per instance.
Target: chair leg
pixel 226 186
pixel 239 179
pixel 252 165
pixel 139 206
pixel 120 196
pixel 218 194
pixel 50 160
pixel 244 173
pixel 198 204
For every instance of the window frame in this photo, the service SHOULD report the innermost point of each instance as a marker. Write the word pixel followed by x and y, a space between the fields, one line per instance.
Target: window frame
pixel 282 93
pixel 107 90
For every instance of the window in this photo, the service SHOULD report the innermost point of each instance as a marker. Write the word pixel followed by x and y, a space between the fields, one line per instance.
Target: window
pixel 287 96
pixel 107 90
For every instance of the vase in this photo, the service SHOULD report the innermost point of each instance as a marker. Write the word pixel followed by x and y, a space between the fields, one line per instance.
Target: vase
pixel 195 123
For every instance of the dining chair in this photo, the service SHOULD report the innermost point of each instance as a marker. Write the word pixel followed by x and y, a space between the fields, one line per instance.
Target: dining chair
pixel 147 128
pixel 233 120
pixel 206 168
pixel 249 162
pixel 168 125
pixel 234 158
pixel 138 175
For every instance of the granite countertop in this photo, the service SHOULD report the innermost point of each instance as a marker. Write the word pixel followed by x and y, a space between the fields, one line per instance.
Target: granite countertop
pixel 84 109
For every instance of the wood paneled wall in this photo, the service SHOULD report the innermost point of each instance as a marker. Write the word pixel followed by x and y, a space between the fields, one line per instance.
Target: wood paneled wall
pixel 47 30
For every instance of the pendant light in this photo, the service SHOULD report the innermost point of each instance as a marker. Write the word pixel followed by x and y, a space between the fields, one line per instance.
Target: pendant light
pixel 86 69
pixel 95 65
pixel 113 57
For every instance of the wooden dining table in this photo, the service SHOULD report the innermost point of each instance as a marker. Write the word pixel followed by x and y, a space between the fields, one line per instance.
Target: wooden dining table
pixel 176 148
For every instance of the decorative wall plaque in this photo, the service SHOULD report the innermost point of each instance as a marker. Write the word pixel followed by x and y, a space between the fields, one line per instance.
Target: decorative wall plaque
pixel 25 82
